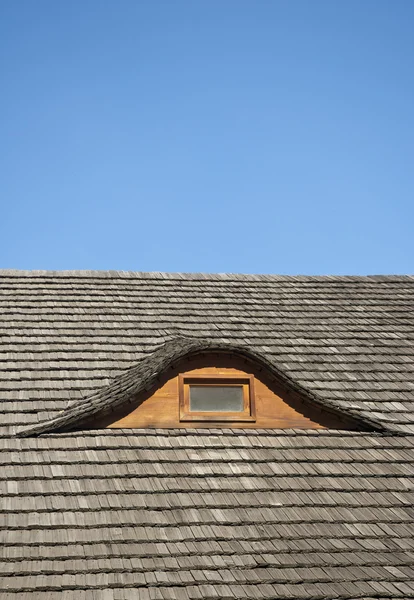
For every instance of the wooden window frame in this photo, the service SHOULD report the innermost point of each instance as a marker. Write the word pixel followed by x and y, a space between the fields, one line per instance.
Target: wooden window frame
pixel 246 381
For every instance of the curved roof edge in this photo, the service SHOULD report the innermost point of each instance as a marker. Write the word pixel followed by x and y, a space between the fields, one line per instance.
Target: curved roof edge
pixel 144 375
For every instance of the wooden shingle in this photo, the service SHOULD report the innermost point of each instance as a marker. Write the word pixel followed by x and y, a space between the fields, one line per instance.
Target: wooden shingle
pixel 208 513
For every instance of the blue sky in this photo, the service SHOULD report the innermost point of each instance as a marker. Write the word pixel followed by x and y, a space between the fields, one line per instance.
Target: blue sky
pixel 261 136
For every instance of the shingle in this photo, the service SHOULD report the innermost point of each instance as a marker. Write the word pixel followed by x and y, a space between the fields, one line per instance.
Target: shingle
pixel 245 514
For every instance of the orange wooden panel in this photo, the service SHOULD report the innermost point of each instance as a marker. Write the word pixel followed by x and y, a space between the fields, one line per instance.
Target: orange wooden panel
pixel 161 406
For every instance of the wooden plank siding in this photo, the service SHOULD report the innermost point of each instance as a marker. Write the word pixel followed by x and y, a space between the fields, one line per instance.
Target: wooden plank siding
pixel 275 408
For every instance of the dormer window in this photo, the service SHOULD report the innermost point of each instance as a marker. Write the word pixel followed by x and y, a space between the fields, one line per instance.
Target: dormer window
pixel 212 389
pixel 215 398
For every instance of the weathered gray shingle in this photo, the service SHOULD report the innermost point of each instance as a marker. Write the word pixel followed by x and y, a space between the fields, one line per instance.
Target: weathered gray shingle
pixel 118 514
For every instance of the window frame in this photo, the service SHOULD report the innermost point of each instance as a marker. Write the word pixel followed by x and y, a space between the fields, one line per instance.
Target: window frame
pixel 248 414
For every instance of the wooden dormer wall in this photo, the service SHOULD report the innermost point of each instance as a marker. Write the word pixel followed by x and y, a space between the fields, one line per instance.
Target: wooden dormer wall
pixel 275 408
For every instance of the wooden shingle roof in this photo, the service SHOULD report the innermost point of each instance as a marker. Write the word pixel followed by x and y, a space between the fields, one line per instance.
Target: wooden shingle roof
pixel 117 514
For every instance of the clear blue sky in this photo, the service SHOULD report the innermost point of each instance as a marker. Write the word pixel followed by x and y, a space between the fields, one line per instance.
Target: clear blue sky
pixel 260 136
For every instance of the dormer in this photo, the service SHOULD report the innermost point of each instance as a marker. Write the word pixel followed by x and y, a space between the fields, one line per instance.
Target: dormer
pixel 192 383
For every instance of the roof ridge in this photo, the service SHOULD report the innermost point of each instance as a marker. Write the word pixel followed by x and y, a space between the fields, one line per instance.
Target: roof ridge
pixel 85 273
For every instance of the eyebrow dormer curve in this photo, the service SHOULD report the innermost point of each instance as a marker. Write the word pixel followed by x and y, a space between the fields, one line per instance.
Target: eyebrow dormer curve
pixel 108 406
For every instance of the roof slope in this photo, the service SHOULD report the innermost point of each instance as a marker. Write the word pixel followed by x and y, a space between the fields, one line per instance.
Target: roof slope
pixel 63 335
pixel 208 514
pixel 221 514
pixel 203 514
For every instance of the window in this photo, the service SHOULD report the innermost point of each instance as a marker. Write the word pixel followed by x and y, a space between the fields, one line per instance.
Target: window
pixel 215 398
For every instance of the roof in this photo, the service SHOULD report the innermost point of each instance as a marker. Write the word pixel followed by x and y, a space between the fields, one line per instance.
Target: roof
pixel 206 513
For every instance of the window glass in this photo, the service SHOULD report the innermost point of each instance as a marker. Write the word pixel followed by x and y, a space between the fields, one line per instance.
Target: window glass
pixel 216 398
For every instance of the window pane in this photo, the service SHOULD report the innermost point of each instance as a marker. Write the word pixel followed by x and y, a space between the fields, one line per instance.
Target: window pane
pixel 217 398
